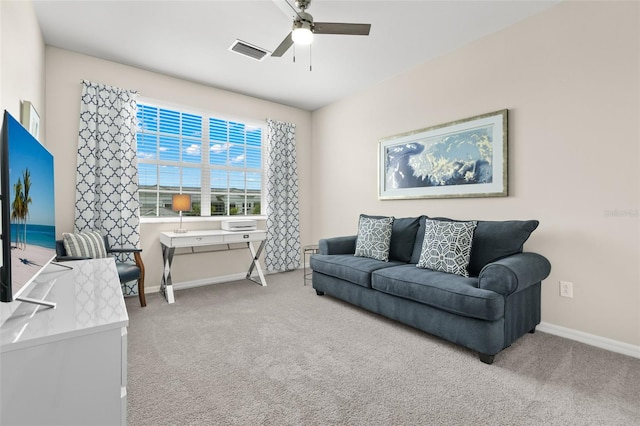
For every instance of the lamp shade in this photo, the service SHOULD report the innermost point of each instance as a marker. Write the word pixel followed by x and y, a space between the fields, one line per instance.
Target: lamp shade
pixel 181 203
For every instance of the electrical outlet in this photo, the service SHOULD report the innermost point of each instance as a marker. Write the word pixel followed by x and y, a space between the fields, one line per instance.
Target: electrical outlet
pixel 566 289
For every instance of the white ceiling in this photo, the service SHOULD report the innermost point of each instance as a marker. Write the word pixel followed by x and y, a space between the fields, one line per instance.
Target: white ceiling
pixel 190 40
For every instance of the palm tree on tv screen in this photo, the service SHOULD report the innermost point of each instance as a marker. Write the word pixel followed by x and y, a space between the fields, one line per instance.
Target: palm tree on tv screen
pixel 26 178
pixel 20 205
pixel 17 207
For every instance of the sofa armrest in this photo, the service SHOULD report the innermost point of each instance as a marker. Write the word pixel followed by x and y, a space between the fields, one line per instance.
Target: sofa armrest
pixel 514 273
pixel 338 245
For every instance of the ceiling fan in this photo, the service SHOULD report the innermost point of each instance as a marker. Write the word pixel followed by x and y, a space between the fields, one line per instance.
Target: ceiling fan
pixel 304 28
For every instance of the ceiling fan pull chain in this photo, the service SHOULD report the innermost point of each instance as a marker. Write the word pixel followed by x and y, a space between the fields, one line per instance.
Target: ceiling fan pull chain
pixel 310 59
pixel 294 53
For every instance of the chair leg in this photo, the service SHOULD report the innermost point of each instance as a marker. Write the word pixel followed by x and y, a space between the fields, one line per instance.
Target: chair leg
pixel 143 299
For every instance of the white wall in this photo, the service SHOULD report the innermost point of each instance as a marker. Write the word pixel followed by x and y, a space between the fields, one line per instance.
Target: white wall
pixel 1 57
pixel 66 69
pixel 22 70
pixel 22 73
pixel 570 79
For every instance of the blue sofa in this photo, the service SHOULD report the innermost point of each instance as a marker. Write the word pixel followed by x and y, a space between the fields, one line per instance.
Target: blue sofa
pixel 487 311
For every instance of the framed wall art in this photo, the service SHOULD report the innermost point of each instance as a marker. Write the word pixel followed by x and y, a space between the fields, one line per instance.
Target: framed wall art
pixel 464 158
pixel 30 119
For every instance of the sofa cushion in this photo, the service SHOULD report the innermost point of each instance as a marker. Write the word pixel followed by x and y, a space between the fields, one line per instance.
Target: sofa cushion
pixel 374 237
pixel 449 292
pixel 494 240
pixel 356 270
pixel 447 246
pixel 403 237
pixel 417 246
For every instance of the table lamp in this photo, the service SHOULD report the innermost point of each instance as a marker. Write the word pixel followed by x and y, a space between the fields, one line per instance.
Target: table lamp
pixel 181 203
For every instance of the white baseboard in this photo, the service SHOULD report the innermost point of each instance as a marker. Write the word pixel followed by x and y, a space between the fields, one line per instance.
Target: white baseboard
pixel 591 339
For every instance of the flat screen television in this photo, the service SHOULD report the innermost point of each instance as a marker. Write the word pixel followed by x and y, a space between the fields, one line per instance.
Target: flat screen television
pixel 28 210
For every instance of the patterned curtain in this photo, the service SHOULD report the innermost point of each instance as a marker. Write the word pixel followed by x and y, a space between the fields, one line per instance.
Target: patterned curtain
pixel 107 173
pixel 283 215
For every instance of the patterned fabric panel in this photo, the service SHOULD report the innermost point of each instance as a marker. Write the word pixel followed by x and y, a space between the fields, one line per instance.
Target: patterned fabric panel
pixel 283 248
pixel 85 244
pixel 107 168
pixel 374 238
pixel 447 246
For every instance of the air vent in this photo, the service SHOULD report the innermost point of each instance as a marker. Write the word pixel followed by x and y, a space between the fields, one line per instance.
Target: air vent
pixel 246 49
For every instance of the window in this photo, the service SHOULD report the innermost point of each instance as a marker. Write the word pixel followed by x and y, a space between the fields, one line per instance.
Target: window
pixel 217 161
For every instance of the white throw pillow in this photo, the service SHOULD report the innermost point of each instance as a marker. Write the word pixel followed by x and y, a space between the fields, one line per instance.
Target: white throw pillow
pixel 374 237
pixel 447 246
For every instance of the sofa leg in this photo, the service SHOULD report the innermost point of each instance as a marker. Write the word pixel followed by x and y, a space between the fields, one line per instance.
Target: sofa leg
pixel 533 330
pixel 487 359
pixel 320 293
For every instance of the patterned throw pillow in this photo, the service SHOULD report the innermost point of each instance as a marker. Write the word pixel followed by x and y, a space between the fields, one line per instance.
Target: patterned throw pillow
pixel 374 237
pixel 84 244
pixel 447 246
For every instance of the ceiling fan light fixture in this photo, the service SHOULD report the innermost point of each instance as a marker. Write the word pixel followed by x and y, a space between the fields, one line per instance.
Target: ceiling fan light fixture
pixel 304 28
pixel 302 35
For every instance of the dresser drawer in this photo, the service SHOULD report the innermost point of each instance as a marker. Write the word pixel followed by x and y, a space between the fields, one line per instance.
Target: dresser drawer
pixel 241 237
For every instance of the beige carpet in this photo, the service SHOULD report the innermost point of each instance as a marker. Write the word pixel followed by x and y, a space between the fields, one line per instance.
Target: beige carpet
pixel 241 354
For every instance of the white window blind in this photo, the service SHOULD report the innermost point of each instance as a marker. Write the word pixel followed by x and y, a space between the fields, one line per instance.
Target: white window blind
pixel 217 161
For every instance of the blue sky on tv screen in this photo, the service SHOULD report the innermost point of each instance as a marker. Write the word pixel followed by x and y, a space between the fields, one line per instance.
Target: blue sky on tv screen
pixel 26 152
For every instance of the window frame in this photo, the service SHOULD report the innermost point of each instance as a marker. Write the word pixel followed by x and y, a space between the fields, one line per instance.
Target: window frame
pixel 205 166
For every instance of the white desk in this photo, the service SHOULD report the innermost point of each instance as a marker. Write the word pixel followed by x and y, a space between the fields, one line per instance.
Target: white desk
pixel 66 365
pixel 172 240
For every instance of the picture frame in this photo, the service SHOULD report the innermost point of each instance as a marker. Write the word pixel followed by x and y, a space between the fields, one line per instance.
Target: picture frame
pixel 463 158
pixel 30 119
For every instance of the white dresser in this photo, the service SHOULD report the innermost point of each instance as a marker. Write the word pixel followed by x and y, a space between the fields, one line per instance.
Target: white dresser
pixel 68 365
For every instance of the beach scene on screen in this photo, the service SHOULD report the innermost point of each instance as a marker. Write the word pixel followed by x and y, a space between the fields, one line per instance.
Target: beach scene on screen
pixel 31 190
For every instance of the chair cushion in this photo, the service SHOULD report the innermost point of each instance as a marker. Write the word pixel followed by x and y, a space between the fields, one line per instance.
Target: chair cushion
pixel 127 272
pixel 356 270
pixel 449 292
pixel 85 244
pixel 374 237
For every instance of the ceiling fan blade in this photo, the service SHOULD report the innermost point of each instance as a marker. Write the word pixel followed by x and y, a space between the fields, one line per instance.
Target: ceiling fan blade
pixel 341 28
pixel 284 46
pixel 286 8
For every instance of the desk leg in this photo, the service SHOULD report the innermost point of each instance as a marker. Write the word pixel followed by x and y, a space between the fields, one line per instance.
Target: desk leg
pixel 256 263
pixel 166 286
